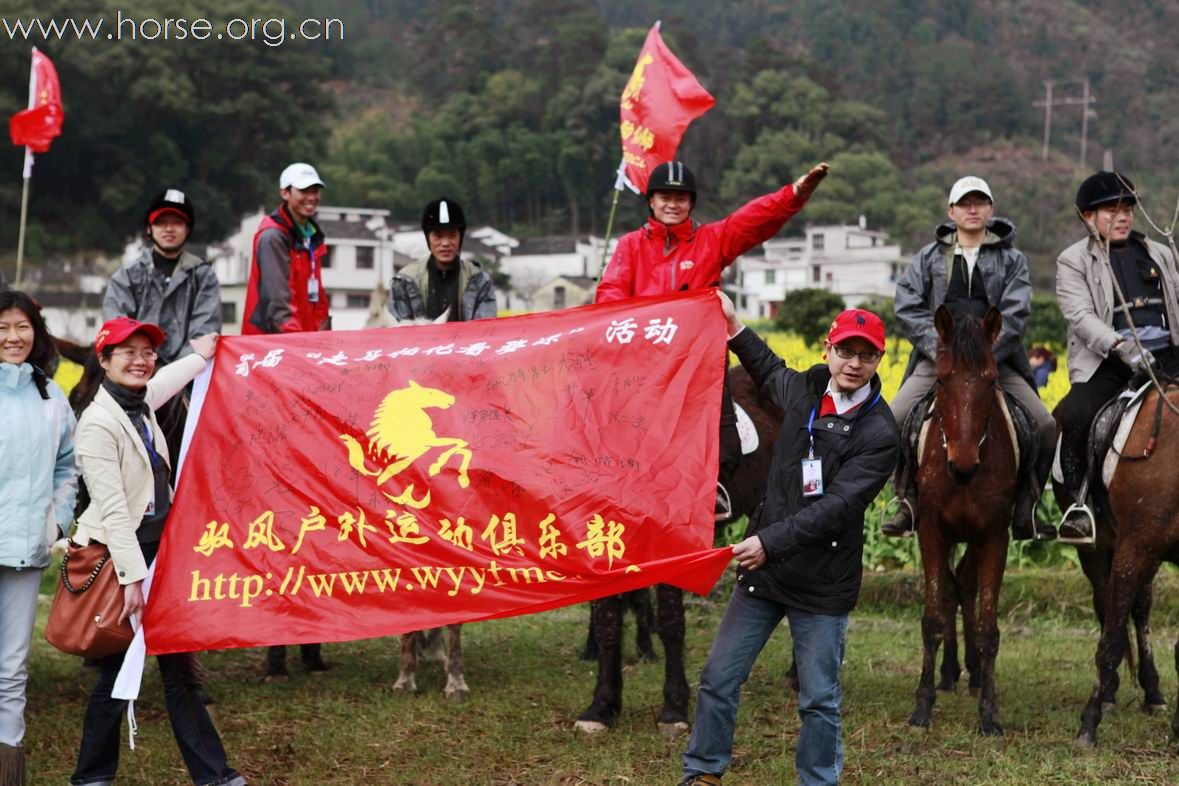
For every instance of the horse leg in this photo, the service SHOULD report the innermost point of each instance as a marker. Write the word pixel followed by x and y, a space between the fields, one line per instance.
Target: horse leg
pixel 933 625
pixel 1175 718
pixel 607 701
pixel 456 686
pixel 968 598
pixel 590 651
pixel 1148 675
pixel 640 602
pixel 991 561
pixel 1124 581
pixel 407 671
pixel 673 718
pixel 951 670
pixel 1096 566
pixel 456 446
pixel 430 647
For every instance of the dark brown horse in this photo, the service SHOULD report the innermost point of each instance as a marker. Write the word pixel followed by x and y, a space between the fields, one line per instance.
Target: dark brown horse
pixel 1143 509
pixel 965 490
pixel 746 487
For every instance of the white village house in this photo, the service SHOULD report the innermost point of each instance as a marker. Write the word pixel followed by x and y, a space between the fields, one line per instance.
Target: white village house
pixel 852 261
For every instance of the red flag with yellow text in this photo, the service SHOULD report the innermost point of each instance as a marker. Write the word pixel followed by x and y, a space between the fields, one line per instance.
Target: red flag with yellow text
pixel 659 102
pixel 37 126
pixel 359 484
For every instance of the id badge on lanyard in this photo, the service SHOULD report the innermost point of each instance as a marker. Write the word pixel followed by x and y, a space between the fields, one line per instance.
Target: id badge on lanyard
pixel 812 468
pixel 149 442
pixel 312 282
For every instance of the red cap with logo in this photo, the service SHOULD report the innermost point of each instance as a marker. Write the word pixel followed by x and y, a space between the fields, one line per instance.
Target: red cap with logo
pixel 857 322
pixel 119 329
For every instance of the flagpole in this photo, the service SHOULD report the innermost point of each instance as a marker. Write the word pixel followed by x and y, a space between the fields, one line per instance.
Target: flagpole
pixel 24 215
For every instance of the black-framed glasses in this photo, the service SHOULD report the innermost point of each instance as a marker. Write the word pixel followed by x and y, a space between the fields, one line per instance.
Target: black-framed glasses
pixel 847 353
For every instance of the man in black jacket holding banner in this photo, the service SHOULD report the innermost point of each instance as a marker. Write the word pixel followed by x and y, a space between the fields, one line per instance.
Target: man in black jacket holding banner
pixel 801 557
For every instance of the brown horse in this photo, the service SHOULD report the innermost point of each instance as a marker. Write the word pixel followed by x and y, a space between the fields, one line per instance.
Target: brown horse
pixel 427 645
pixel 1143 511
pixel 966 486
pixel 1097 564
pixel 746 487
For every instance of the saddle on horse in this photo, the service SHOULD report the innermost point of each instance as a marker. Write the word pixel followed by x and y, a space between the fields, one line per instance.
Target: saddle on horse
pixel 1033 469
pixel 1107 435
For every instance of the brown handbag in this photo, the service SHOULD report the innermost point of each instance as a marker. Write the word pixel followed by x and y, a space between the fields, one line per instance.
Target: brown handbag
pixel 84 619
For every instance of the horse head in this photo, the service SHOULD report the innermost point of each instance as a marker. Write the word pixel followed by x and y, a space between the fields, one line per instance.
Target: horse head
pixel 967 378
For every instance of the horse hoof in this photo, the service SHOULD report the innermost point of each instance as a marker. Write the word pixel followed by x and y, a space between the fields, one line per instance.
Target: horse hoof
pixel 457 696
pixel 1108 707
pixel 276 678
pixel 990 729
pixel 948 687
pixel 405 689
pixel 1155 709
pixel 590 727
pixel 673 731
pixel 919 722
pixel 1084 740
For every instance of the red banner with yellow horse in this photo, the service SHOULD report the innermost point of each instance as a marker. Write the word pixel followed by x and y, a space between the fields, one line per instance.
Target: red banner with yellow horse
pixel 350 485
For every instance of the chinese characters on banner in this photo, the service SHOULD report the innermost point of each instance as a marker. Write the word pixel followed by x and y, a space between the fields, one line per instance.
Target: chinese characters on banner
pixel 659 102
pixel 351 485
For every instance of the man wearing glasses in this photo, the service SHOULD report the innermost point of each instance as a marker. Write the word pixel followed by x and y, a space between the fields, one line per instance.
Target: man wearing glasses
pixel 971 265
pixel 802 553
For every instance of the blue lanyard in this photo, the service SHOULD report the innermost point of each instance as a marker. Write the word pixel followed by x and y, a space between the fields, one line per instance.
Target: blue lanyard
pixel 811 433
pixel 149 442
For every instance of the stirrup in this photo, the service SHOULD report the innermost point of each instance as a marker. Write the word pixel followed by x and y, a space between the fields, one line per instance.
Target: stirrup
pixel 724 506
pixel 912 519
pixel 1078 507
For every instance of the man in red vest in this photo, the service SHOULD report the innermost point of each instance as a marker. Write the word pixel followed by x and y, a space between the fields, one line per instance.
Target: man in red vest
pixel 285 291
pixel 285 295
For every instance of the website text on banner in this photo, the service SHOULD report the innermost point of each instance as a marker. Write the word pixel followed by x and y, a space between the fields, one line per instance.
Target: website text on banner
pixel 358 484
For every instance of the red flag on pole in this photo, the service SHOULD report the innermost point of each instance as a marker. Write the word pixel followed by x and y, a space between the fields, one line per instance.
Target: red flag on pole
pixel 660 101
pixel 37 126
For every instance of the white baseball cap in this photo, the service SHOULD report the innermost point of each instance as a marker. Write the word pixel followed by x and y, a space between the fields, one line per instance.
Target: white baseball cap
pixel 968 185
pixel 300 176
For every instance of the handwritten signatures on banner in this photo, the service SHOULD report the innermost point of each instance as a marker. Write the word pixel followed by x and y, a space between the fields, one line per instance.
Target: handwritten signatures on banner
pixel 620 331
pixel 501 536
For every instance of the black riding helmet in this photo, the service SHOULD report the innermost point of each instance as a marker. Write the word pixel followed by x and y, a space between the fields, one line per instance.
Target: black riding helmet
pixel 1105 188
pixel 171 200
pixel 444 214
pixel 672 176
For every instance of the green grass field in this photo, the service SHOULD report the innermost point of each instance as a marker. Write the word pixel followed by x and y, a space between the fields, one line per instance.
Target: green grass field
pixel 348 727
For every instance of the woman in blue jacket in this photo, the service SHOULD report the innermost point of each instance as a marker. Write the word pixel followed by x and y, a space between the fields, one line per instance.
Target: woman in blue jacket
pixel 37 488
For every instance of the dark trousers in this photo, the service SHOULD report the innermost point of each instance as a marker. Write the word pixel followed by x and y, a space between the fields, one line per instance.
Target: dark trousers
pixel 197 737
pixel 1079 409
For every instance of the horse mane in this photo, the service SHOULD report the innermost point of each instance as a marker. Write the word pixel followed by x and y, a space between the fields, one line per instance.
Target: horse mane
pixel 967 345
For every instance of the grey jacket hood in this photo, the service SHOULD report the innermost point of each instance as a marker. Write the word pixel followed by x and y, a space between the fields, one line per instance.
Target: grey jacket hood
pixel 1000 233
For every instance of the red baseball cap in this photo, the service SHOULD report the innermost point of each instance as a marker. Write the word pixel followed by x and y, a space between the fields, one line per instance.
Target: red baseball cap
pixel 119 329
pixel 857 322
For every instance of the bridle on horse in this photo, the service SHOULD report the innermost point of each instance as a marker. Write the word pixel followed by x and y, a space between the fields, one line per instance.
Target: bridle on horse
pixel 941 424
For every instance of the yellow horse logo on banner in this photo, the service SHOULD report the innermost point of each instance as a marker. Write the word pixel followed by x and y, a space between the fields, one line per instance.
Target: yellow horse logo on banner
pixel 401 432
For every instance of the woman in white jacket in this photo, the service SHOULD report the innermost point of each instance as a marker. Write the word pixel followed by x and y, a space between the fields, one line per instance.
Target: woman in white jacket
pixel 37 488
pixel 124 460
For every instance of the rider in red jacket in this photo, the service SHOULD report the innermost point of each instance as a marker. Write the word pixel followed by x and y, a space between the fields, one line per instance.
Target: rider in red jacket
pixel 672 253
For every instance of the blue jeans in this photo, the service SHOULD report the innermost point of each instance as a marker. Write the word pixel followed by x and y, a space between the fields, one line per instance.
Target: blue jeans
pixel 818 650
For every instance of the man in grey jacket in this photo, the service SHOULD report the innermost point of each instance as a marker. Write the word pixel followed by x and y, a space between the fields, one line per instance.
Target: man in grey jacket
pixel 166 285
pixel 443 282
pixel 971 265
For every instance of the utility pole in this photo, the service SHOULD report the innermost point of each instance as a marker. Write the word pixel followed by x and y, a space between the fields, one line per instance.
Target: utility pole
pixel 1084 102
